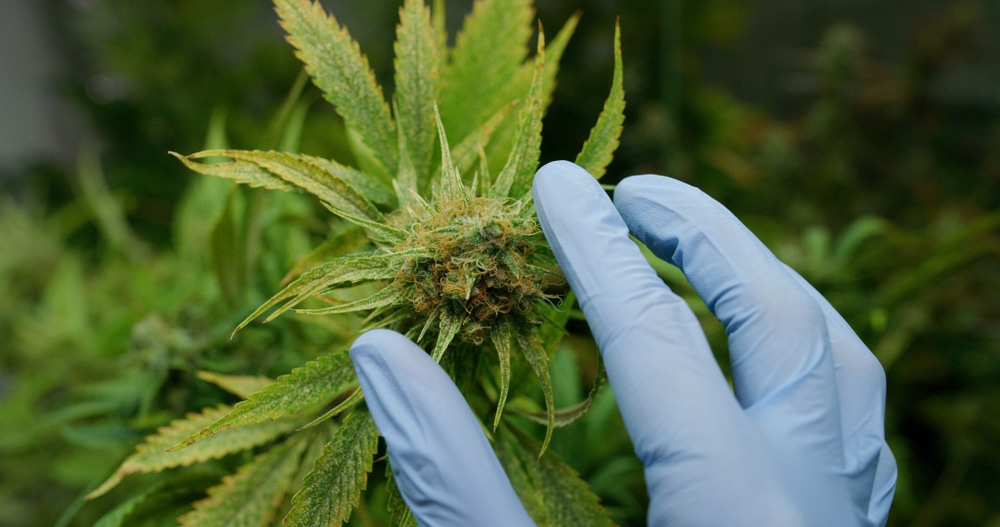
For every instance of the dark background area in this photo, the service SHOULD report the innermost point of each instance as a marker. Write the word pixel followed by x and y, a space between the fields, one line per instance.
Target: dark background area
pixel 859 139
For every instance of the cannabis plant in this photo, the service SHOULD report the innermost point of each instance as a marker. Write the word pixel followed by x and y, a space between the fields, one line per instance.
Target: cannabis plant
pixel 436 237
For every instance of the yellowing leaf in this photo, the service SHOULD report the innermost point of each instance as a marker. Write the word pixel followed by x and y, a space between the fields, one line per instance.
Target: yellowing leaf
pixel 292 170
pixel 251 497
pixel 332 489
pixel 152 455
pixel 603 141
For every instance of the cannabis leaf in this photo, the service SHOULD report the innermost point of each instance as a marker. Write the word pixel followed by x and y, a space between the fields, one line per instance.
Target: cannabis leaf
pixel 332 489
pixel 250 497
pixel 153 455
pixel 316 383
pixel 551 491
pixel 337 66
pixel 603 140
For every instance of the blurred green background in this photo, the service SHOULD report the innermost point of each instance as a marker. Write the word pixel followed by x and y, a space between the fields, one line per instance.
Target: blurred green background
pixel 859 140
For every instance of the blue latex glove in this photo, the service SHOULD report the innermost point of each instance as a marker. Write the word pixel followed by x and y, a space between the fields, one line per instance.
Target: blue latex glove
pixel 801 441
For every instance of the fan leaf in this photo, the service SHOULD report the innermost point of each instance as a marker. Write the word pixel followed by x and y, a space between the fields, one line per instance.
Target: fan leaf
pixel 551 491
pixel 603 141
pixel 338 68
pixel 515 178
pixel 400 514
pixel 293 170
pixel 316 383
pixel 153 454
pixel 417 70
pixel 252 496
pixel 332 489
pixel 239 385
pixel 488 52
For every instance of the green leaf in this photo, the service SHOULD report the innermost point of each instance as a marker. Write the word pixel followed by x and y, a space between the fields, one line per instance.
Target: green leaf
pixel 515 178
pixel 339 69
pixel 332 489
pixel 152 455
pixel 488 53
pixel 553 56
pixel 450 185
pixel 349 402
pixel 449 326
pixel 502 337
pixel 231 248
pixel 566 416
pixel 603 141
pixel 240 385
pixel 386 296
pixel 400 514
pixel 317 382
pixel 290 170
pixel 347 270
pixel 373 189
pixel 345 238
pixel 251 497
pixel 117 516
pixel 416 64
pixel 467 151
pixel 539 360
pixel 238 171
pixel 551 491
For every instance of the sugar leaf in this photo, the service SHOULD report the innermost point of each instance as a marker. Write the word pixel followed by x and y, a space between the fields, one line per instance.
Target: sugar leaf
pixel 386 296
pixel 603 141
pixel 251 497
pixel 337 66
pixel 502 338
pixel 152 455
pixel 449 326
pixel 539 361
pixel 332 489
pixel 346 270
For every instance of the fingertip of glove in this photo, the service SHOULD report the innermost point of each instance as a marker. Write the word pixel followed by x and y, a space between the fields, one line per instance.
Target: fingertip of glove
pixel 552 178
pixel 380 347
pixel 639 188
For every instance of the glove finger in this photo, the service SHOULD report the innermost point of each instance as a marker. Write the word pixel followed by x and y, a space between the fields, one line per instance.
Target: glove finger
pixel 441 459
pixel 780 352
pixel 861 383
pixel 697 446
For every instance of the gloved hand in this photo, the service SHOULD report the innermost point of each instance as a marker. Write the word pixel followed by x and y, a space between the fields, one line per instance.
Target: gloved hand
pixel 800 442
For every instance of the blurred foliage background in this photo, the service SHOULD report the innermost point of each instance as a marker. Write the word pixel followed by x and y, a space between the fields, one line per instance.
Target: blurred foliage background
pixel 860 142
